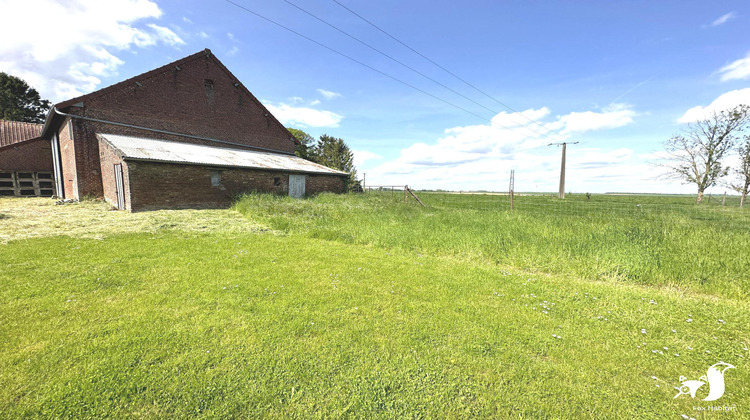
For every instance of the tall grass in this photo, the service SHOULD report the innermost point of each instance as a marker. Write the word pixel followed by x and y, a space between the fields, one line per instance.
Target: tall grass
pixel 672 243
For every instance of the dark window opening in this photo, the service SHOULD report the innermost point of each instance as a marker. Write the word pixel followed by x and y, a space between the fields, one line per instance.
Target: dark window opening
pixel 215 178
pixel 209 85
pixel 6 175
pixel 276 181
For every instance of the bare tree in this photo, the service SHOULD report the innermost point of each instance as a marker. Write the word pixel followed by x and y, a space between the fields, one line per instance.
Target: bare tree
pixel 696 156
pixel 741 183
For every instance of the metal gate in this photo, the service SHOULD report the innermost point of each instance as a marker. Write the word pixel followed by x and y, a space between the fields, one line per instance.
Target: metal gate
pixel 119 187
pixel 297 186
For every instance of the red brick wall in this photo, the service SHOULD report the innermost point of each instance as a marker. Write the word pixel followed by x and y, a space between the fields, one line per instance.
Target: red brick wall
pixel 68 160
pixel 162 185
pixel 316 184
pixel 29 156
pixel 108 158
pixel 178 101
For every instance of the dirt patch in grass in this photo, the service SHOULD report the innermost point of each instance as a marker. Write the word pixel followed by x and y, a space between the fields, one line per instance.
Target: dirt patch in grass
pixel 22 218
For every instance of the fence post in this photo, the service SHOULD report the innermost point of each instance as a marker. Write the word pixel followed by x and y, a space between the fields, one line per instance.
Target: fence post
pixel 406 197
pixel 510 189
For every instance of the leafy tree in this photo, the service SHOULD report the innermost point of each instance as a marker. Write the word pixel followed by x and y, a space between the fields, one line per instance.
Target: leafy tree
pixel 696 155
pixel 306 143
pixel 742 172
pixel 19 102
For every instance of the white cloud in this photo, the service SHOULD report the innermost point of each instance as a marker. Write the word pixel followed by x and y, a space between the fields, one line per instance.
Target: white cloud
pixel 202 34
pixel 166 35
pixel 186 19
pixel 328 94
pixel 481 156
pixel 738 69
pixel 303 117
pixel 67 63
pixel 362 156
pixel 233 50
pixel 315 102
pixel 724 19
pixel 230 36
pixel 726 101
pixel 296 99
pixel 615 115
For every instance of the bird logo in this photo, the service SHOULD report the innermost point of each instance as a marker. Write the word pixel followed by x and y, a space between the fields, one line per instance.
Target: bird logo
pixel 715 378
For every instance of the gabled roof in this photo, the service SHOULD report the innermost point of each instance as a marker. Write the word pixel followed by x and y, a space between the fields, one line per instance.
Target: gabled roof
pixel 53 119
pixel 145 149
pixel 12 132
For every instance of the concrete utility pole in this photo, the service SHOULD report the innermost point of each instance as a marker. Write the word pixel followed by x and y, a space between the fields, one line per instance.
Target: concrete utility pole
pixel 561 194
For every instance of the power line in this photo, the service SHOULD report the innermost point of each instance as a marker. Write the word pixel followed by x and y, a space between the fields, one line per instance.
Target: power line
pixel 407 66
pixel 445 69
pixel 388 56
pixel 374 69
pixel 356 61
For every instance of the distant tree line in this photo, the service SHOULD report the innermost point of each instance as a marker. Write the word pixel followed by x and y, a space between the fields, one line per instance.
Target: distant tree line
pixel 329 151
pixel 698 154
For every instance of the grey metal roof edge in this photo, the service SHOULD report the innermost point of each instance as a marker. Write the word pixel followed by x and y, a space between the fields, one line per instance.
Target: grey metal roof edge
pixel 104 140
pixel 176 162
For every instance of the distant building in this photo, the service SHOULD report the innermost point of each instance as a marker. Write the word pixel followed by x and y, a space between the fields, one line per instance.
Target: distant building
pixel 185 135
pixel 25 160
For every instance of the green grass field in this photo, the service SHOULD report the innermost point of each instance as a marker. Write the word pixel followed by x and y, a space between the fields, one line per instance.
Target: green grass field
pixel 359 306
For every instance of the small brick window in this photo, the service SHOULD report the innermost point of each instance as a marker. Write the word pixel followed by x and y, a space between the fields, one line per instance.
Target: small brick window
pixel 215 178
pixel 209 85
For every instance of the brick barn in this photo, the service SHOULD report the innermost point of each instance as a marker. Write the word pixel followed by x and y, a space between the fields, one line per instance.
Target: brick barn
pixel 25 160
pixel 185 135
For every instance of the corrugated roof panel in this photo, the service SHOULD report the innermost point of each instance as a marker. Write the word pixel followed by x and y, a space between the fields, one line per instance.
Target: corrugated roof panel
pixel 140 148
pixel 12 132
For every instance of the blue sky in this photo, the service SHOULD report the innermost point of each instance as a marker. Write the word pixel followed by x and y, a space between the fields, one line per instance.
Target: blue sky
pixel 619 77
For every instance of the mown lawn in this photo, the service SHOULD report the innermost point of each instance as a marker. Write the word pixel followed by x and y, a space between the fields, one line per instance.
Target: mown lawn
pixel 312 323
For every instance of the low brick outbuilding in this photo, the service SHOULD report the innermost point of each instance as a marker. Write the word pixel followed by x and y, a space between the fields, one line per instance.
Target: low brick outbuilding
pixel 149 174
pixel 101 142
pixel 25 160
